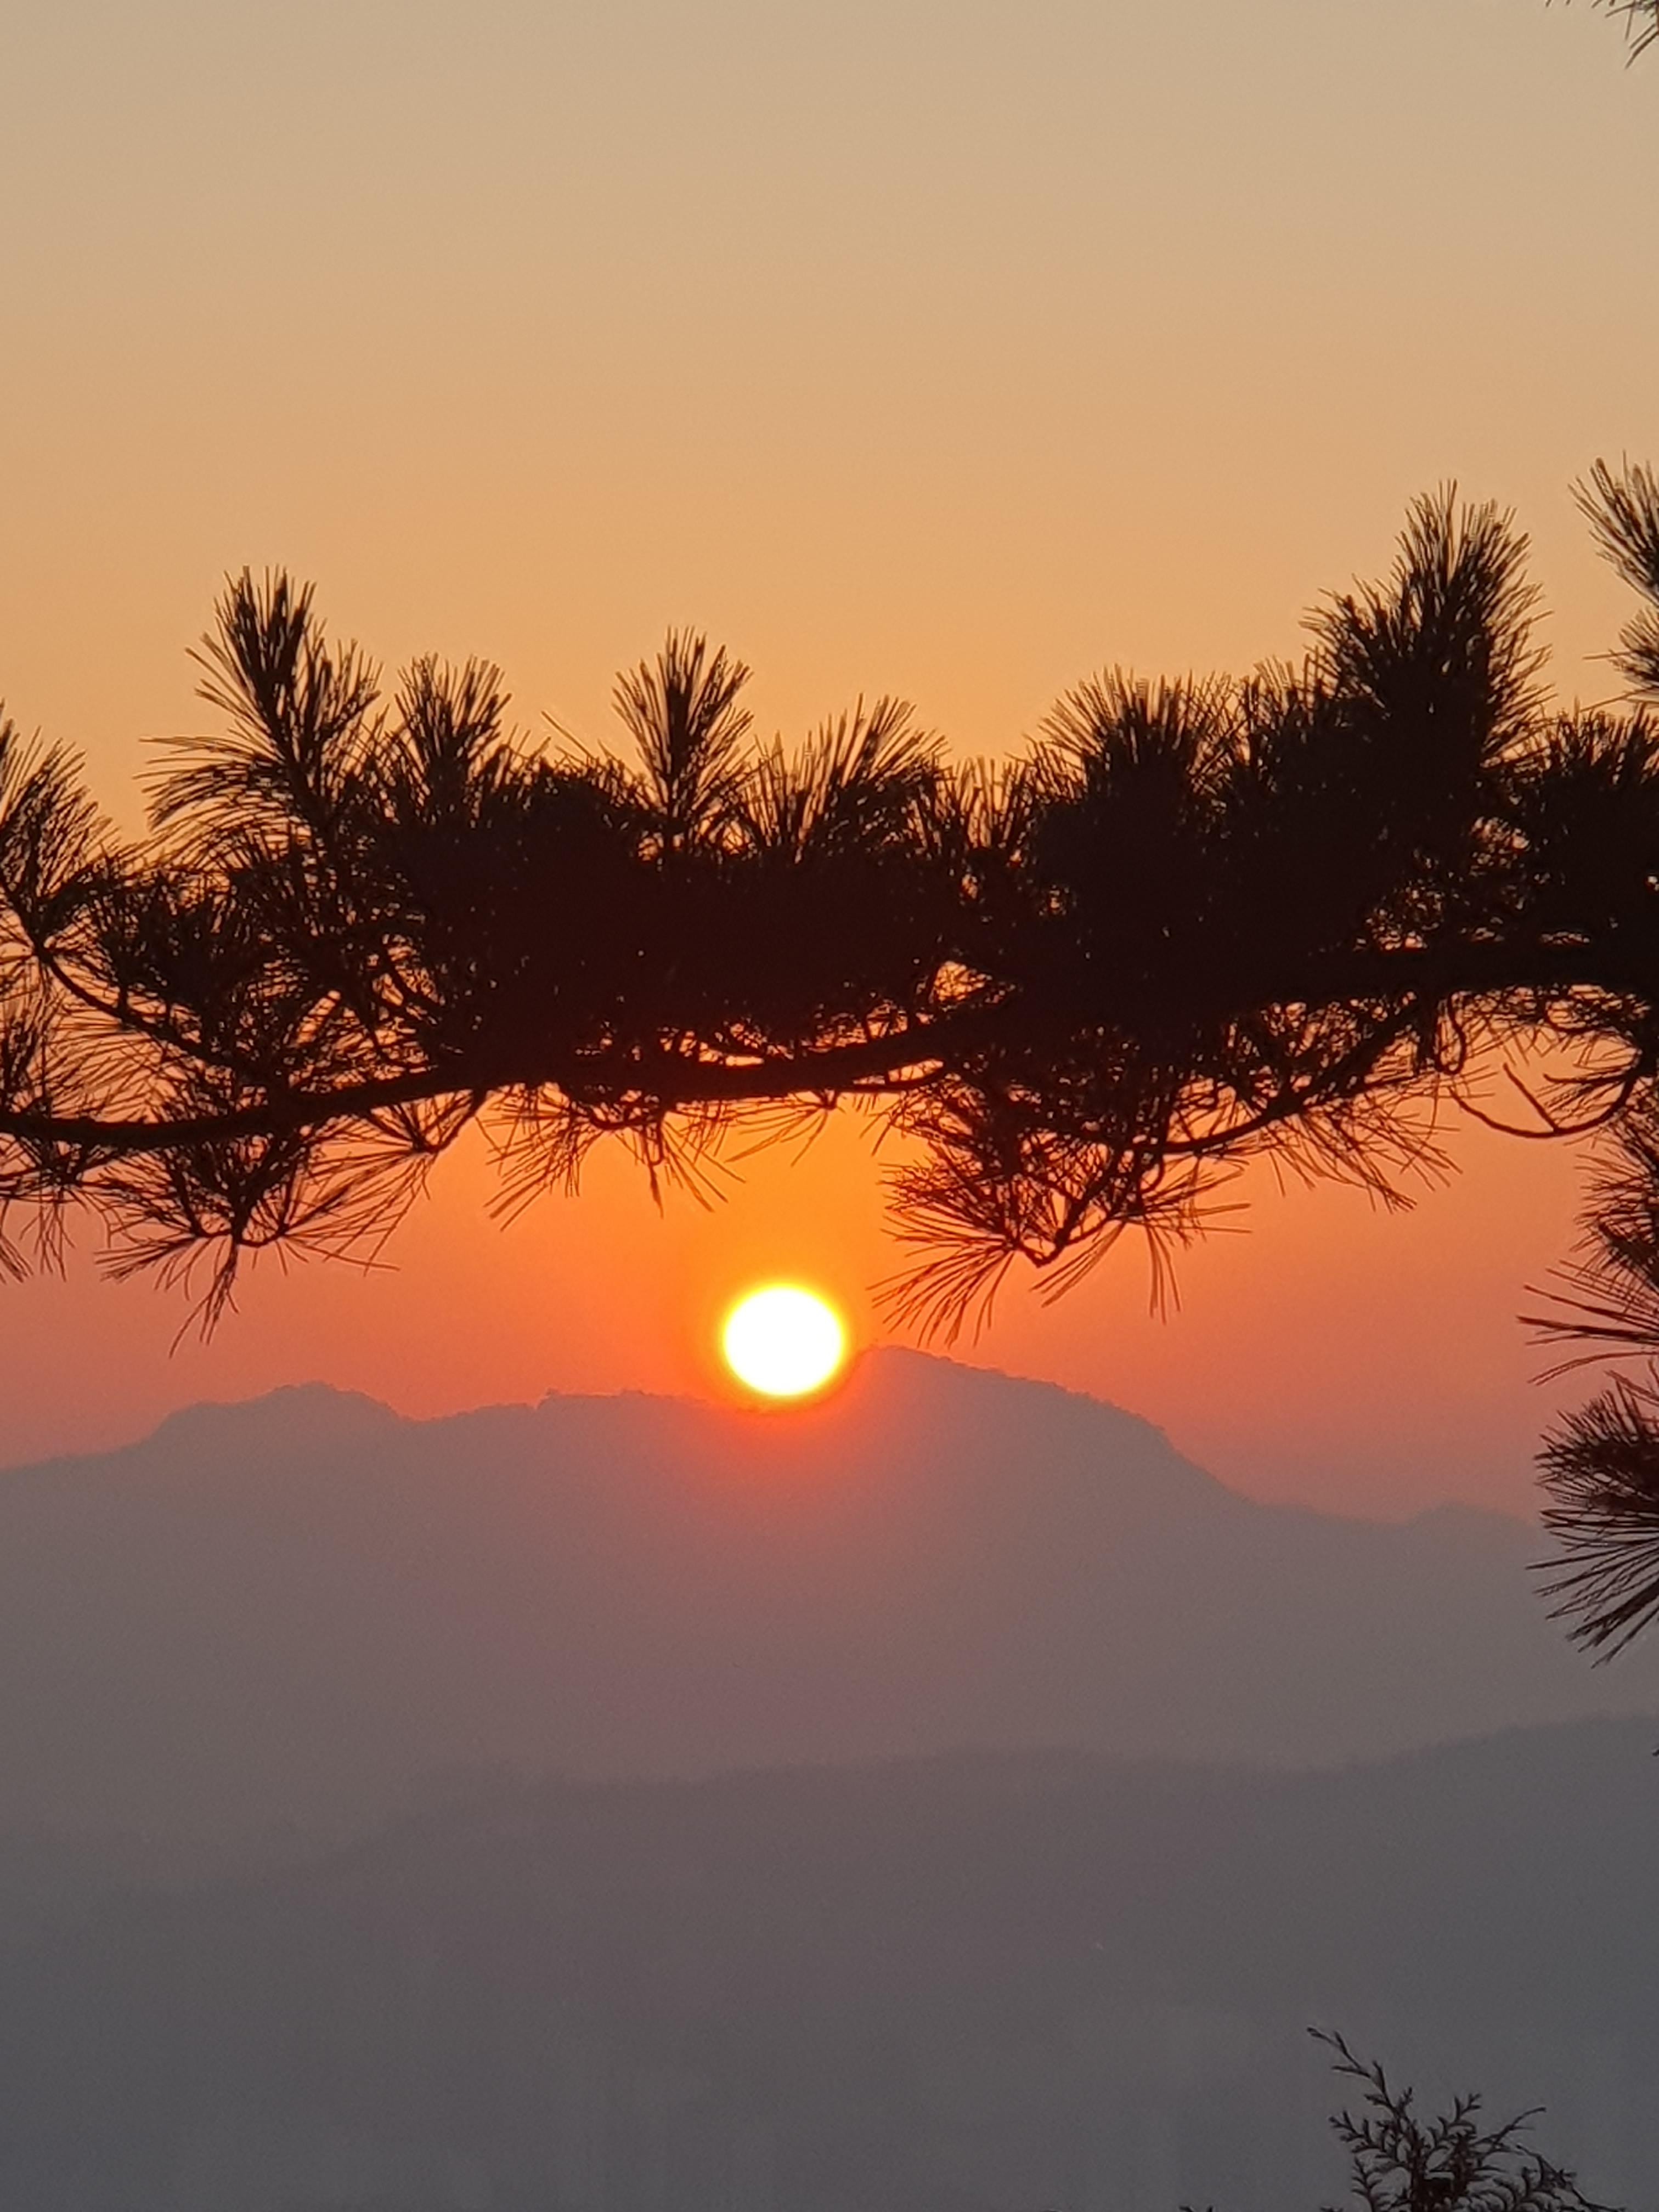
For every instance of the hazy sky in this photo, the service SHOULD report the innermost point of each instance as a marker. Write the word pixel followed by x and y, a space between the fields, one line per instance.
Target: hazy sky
pixel 947 350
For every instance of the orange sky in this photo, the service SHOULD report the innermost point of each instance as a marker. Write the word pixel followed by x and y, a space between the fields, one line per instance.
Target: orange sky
pixel 933 346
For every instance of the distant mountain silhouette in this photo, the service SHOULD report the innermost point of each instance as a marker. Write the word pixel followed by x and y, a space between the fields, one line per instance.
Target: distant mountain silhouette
pixel 294 1610
pixel 968 1984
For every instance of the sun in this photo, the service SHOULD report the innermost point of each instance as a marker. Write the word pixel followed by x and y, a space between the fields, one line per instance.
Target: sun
pixel 783 1341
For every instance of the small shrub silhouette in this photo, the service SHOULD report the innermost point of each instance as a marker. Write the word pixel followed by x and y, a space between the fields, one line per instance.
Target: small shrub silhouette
pixel 1402 2162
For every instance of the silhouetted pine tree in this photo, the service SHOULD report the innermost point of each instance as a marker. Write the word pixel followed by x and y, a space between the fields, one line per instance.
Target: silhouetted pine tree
pixel 1293 914
pixel 1193 923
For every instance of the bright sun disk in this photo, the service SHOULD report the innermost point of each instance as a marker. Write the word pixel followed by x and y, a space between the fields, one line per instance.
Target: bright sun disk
pixel 783 1341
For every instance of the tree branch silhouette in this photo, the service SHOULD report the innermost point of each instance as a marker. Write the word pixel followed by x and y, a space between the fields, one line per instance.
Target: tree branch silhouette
pixel 1303 913
pixel 1194 922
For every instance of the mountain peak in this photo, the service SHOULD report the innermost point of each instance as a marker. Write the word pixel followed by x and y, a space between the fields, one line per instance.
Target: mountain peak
pixel 300 1412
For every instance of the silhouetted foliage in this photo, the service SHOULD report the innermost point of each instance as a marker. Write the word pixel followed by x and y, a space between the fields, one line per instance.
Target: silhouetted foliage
pixel 1642 17
pixel 1601 1464
pixel 1400 2162
pixel 1641 21
pixel 1195 922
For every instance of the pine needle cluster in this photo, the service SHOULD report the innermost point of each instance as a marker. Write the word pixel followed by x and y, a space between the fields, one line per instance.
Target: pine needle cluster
pixel 1296 914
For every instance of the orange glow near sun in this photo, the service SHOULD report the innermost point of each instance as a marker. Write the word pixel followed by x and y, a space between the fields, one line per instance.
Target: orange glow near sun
pixel 783 1341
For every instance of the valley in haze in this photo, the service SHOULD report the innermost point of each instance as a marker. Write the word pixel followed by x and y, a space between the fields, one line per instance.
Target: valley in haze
pixel 968 1983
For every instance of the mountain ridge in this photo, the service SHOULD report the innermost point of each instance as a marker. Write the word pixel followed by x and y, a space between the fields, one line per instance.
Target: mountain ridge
pixel 317 1395
pixel 294 1608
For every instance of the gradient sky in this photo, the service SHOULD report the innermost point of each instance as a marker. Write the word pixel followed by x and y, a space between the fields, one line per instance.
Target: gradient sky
pixel 949 349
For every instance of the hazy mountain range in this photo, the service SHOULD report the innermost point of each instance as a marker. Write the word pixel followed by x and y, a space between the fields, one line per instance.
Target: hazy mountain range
pixel 292 1610
pixel 321 1884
